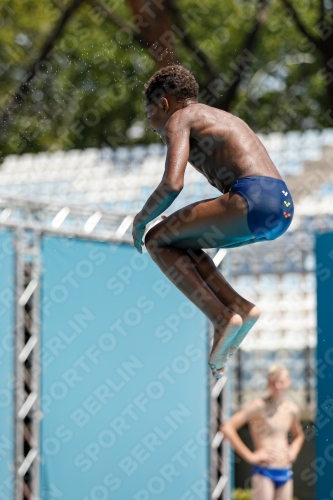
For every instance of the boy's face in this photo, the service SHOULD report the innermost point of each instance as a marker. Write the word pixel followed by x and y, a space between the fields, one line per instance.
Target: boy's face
pixel 279 384
pixel 157 115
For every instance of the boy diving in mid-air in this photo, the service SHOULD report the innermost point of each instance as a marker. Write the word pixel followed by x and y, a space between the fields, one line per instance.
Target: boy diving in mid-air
pixel 255 204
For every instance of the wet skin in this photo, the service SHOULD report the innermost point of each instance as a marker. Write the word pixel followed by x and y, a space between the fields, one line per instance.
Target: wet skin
pixel 218 144
pixel 223 148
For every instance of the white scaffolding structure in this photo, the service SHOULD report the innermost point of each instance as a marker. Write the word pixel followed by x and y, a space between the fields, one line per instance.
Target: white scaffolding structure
pixel 220 412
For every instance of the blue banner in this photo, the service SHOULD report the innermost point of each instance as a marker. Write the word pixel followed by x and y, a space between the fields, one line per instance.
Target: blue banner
pixel 124 378
pixel 7 404
pixel 319 471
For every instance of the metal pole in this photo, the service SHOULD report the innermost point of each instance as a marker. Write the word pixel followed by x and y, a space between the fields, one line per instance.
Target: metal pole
pixel 35 369
pixel 227 403
pixel 19 368
pixel 27 365
pixel 238 370
pixel 221 484
pixel 307 376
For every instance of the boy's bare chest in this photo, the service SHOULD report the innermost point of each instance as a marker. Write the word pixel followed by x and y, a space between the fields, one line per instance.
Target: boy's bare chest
pixel 272 422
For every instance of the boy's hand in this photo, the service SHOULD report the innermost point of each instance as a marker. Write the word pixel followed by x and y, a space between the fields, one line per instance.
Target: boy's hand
pixel 263 456
pixel 138 232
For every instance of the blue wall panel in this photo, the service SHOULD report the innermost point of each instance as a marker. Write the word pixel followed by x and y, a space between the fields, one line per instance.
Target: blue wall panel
pixel 320 471
pixel 124 378
pixel 7 269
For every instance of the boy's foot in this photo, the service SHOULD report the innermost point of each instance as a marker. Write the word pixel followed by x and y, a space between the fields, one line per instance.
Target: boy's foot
pixel 225 345
pixel 250 316
pixel 224 334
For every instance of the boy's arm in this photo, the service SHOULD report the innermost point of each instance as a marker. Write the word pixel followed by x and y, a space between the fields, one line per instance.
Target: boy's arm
pixel 230 428
pixel 297 436
pixel 177 135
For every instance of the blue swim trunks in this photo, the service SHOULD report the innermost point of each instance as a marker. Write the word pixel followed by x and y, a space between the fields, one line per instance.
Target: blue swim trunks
pixel 278 476
pixel 270 205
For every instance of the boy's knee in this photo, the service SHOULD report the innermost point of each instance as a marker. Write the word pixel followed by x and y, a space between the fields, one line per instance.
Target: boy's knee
pixel 156 238
pixel 149 237
pixel 150 242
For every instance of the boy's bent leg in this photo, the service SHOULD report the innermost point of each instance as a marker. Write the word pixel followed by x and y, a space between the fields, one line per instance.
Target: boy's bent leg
pixel 262 488
pixel 285 492
pixel 226 294
pixel 211 223
pixel 180 270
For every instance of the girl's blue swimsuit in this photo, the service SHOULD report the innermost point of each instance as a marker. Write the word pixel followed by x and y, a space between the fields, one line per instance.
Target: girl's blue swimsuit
pixel 278 476
pixel 270 205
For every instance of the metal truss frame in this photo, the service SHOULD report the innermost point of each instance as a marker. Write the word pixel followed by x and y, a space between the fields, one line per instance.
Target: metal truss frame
pixel 220 410
pixel 220 470
pixel 80 221
pixel 27 364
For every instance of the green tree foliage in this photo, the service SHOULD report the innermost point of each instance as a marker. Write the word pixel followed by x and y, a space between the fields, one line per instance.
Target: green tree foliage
pixel 88 92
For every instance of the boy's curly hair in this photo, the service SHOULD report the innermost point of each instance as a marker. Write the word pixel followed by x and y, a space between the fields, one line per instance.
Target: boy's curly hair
pixel 173 80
